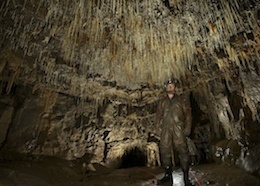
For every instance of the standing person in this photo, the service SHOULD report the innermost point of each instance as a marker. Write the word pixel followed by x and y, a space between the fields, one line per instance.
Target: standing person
pixel 173 119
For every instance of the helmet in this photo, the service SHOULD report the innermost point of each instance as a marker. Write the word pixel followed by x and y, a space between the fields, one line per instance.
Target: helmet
pixel 171 81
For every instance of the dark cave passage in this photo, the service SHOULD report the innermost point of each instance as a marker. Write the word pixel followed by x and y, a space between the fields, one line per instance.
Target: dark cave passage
pixel 132 158
pixel 201 133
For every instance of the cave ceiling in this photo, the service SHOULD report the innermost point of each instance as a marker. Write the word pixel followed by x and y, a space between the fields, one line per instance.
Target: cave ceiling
pixel 126 49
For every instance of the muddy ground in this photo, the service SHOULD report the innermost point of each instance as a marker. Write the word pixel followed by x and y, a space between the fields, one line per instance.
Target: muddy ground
pixel 46 171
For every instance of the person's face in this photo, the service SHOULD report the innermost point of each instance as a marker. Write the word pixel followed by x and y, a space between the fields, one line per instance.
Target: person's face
pixel 170 87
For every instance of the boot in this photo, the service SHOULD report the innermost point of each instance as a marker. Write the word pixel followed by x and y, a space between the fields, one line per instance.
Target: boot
pixel 167 176
pixel 186 177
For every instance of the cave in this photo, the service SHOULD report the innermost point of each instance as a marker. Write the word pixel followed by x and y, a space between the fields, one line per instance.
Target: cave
pixel 81 82
pixel 133 158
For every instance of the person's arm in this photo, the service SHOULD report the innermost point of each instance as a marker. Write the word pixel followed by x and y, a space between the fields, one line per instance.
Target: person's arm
pixel 159 114
pixel 187 111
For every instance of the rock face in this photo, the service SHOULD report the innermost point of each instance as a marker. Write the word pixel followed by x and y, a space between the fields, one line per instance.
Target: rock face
pixel 82 80
pixel 249 159
pixel 53 124
pixel 7 111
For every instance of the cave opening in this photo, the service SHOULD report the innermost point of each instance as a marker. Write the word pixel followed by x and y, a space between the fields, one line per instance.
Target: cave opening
pixel 132 158
pixel 201 133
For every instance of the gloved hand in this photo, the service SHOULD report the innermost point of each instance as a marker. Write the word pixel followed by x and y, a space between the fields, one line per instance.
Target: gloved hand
pixel 186 131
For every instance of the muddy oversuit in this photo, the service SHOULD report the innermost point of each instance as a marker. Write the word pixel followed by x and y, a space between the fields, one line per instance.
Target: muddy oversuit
pixel 174 120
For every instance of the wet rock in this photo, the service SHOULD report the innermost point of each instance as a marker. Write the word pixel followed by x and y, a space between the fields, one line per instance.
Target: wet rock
pixel 218 150
pixel 232 152
pixel 5 121
pixel 23 133
pixel 226 151
pixel 153 154
pixel 249 159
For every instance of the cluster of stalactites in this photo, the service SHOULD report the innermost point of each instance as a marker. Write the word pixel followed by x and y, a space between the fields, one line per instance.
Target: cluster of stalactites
pixel 130 42
pixel 145 41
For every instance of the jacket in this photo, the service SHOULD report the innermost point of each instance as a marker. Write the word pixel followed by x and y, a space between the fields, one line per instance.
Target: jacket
pixel 173 112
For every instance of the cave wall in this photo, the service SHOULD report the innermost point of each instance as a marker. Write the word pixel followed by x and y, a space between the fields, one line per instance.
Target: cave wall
pixel 43 122
pixel 53 124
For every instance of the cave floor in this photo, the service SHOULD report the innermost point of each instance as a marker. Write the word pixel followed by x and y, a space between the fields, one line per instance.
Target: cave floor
pixel 52 171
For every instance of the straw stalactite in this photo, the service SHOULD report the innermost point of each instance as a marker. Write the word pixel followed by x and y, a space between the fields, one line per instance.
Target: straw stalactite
pixel 131 43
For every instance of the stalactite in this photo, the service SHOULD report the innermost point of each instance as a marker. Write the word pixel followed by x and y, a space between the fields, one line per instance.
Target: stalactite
pixel 2 7
pixel 155 42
